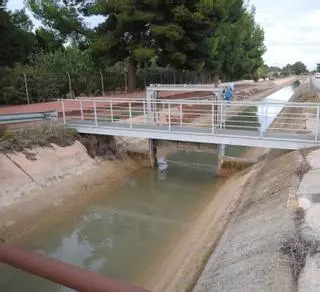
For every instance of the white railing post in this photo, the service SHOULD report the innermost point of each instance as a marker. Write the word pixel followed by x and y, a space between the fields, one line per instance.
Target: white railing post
pixel 111 110
pixel 144 112
pixel 317 123
pixel 63 112
pixel 81 109
pixel 181 116
pixel 95 113
pixel 266 119
pixel 262 117
pixel 169 116
pixel 221 117
pixel 212 121
pixel 130 114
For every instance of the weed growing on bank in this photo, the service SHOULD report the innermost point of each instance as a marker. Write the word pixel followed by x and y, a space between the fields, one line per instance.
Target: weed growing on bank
pixel 297 247
pixel 41 136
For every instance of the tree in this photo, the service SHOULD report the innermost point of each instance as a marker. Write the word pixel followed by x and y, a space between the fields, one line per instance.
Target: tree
pixel 49 72
pixel 237 43
pixel 16 40
pixel 299 68
pixel 287 70
pixel 220 37
pixel 61 18
pixel 47 41
pixel 318 67
pixel 138 31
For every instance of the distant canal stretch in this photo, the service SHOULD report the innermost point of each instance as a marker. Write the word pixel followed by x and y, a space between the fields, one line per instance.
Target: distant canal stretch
pixel 281 95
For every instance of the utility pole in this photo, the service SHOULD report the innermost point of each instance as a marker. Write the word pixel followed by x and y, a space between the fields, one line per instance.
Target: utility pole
pixel 70 88
pixel 102 84
pixel 26 86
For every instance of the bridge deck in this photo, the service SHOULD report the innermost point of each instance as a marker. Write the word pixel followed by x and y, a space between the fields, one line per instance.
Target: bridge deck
pixel 251 138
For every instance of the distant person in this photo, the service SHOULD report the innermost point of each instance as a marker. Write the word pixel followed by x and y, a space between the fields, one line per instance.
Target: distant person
pixel 228 95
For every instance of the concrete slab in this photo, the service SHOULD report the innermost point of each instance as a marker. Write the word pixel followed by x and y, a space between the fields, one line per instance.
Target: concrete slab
pixel 314 159
pixel 309 200
pixel 310 184
pixel 309 279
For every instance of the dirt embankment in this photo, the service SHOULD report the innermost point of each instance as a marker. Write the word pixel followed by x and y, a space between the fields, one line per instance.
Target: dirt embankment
pixel 236 243
pixel 248 256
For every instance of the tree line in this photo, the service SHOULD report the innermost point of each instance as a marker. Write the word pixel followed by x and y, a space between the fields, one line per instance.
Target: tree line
pixel 219 39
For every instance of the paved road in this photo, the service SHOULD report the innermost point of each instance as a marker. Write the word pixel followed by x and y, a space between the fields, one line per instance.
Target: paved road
pixel 316 82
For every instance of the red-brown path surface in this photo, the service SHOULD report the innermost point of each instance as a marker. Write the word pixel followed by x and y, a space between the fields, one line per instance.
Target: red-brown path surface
pixel 54 105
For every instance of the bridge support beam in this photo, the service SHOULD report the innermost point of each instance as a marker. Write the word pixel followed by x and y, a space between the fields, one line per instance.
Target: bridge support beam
pixel 220 156
pixel 153 153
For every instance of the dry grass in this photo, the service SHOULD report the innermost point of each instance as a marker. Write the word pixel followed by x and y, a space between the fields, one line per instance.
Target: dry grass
pixel 297 247
pixel 41 136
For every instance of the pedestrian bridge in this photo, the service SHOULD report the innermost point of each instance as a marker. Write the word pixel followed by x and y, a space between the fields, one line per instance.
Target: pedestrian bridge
pixel 271 124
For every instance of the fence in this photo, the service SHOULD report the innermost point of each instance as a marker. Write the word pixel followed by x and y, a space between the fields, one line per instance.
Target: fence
pixel 38 87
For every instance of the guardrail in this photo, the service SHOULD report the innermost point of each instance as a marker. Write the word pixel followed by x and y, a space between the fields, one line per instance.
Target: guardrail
pixel 61 273
pixel 28 117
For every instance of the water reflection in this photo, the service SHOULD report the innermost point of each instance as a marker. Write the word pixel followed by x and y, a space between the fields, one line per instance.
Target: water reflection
pixel 266 115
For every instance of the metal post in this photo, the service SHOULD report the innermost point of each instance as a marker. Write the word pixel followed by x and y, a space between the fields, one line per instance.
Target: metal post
pixel 169 116
pixel 111 110
pixel 221 115
pixel 102 83
pixel 317 124
pixel 262 120
pixel 266 119
pixel 212 121
pixel 63 112
pixel 81 109
pixel 64 274
pixel 26 86
pixel 95 113
pixel 125 76
pixel 144 112
pixel 70 88
pixel 181 115
pixel 130 114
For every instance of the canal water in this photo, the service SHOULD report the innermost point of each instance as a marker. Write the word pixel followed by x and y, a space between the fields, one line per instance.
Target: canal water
pixel 123 232
pixel 281 95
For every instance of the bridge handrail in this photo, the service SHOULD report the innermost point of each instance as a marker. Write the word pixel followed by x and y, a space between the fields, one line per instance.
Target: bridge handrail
pixel 238 119
pixel 195 102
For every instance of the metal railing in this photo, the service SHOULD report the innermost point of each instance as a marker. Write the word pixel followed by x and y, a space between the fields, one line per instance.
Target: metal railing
pixel 61 273
pixel 264 120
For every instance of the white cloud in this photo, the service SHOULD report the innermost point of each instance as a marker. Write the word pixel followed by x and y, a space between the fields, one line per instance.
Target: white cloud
pixel 292 30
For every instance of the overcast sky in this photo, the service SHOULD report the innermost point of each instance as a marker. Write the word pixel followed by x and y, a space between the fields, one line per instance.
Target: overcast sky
pixel 292 29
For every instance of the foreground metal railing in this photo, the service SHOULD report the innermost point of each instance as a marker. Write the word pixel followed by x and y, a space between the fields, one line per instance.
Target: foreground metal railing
pixel 61 273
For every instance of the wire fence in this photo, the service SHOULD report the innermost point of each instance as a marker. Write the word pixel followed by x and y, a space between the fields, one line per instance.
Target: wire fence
pixel 38 87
